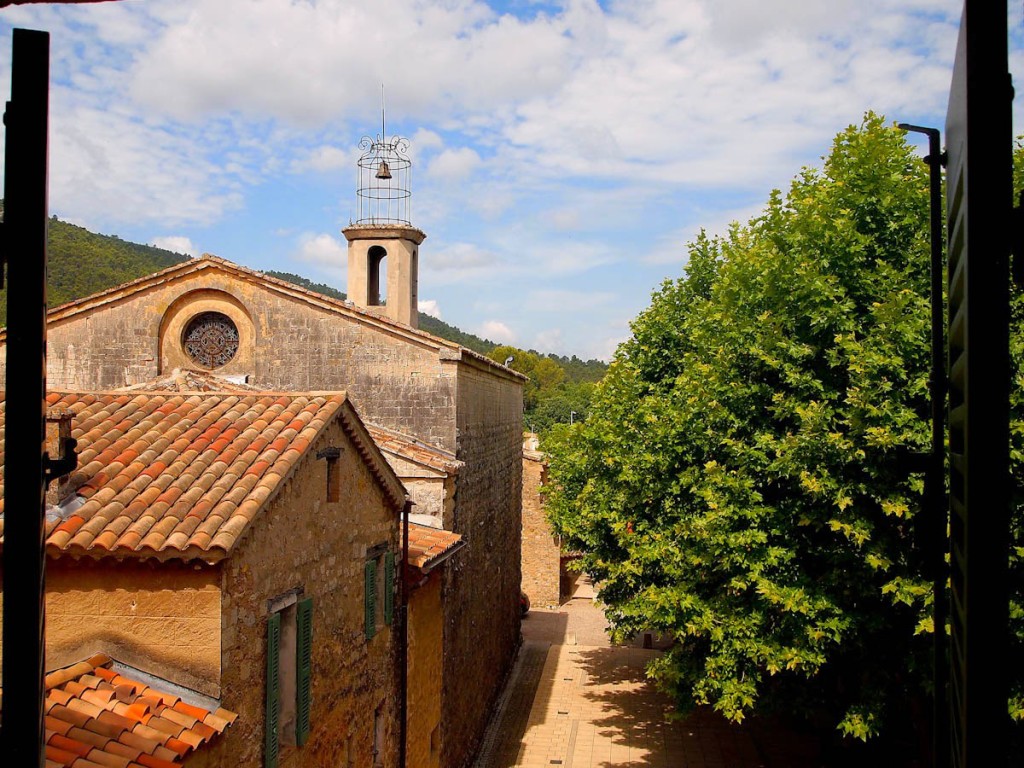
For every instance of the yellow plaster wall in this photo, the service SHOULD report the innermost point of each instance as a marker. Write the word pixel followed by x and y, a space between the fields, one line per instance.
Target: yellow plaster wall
pixel 426 627
pixel 162 618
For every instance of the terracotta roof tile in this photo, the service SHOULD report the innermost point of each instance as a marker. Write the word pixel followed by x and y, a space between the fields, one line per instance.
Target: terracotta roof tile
pixel 428 546
pixel 411 449
pixel 179 474
pixel 85 729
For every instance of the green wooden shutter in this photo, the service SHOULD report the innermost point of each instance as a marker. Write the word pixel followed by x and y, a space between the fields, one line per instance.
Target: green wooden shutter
pixel 271 745
pixel 389 587
pixel 303 669
pixel 370 597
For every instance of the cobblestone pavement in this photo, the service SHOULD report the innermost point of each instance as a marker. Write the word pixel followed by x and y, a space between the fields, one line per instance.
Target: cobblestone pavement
pixel 576 701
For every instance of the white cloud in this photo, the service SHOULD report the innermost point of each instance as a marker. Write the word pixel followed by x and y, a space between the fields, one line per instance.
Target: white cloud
pixel 176 243
pixel 454 164
pixel 327 158
pixel 462 257
pixel 579 139
pixel 495 330
pixel 549 340
pixel 560 300
pixel 456 53
pixel 430 307
pixel 109 166
pixel 324 253
pixel 425 140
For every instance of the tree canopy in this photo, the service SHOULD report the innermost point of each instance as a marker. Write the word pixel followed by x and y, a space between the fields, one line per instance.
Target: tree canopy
pixel 558 389
pixel 741 481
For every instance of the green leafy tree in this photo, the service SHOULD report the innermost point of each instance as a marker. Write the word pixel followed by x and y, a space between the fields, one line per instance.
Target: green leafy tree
pixel 740 481
pixel 557 387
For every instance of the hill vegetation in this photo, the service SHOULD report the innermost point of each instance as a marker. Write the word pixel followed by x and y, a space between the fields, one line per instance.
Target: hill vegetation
pixel 81 262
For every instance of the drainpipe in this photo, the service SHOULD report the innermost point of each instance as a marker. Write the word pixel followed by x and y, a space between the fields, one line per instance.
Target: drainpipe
pixel 403 613
pixel 934 535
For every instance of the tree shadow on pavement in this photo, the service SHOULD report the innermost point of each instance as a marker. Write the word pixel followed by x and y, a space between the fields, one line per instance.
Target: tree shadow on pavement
pixel 638 716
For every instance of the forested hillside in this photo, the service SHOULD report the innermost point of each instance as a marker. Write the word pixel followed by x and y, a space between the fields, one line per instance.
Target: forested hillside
pixel 82 262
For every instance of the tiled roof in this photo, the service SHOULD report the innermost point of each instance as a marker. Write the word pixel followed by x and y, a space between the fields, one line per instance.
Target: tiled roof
pixel 429 546
pixel 97 718
pixel 181 475
pixel 411 449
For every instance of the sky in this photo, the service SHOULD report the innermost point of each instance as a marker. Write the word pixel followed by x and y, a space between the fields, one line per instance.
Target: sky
pixel 564 153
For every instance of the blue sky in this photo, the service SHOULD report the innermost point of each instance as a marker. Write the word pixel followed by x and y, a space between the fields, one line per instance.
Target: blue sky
pixel 564 152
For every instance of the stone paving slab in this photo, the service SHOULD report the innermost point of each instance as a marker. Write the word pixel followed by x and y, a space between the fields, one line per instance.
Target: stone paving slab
pixel 575 700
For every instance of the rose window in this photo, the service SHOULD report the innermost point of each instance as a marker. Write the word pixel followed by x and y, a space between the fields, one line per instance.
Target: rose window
pixel 211 339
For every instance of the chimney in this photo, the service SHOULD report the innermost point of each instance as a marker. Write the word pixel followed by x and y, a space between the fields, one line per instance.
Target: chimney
pixel 58 435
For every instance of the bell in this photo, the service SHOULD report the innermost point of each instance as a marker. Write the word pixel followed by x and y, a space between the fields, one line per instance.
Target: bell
pixel 383 172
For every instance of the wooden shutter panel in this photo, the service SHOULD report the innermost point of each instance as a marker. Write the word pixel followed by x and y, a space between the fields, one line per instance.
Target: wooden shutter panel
pixel 389 587
pixel 370 597
pixel 303 669
pixel 270 725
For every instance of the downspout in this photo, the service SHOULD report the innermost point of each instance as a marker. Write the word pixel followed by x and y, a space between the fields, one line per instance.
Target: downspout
pixel 403 667
pixel 933 536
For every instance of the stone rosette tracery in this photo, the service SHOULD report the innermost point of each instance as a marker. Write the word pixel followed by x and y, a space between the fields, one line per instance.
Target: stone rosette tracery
pixel 211 339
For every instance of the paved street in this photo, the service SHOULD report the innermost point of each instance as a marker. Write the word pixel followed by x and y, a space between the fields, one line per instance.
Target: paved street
pixel 574 700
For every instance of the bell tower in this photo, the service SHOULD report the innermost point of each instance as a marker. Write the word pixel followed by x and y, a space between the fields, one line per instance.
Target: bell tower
pixel 382 243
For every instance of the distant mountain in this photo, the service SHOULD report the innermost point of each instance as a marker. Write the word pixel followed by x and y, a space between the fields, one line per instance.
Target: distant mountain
pixel 82 263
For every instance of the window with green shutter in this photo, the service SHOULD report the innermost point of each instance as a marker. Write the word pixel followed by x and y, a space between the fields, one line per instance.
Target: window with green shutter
pixel 303 669
pixel 389 587
pixel 370 597
pixel 271 745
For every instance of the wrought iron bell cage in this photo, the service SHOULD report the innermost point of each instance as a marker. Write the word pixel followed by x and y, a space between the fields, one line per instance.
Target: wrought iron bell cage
pixel 384 191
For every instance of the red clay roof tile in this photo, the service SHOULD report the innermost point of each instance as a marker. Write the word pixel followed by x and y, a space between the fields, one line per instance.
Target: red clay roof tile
pixel 179 474
pixel 84 730
pixel 428 545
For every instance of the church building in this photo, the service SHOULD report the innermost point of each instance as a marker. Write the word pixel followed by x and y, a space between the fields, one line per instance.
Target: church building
pixel 238 324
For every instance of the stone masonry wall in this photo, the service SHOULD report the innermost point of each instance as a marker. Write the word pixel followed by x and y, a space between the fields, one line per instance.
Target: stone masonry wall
pixel 163 618
pixel 541 551
pixel 427 487
pixel 482 582
pixel 303 542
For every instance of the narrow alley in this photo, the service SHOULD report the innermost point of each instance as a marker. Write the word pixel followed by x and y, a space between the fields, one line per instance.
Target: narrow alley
pixel 577 701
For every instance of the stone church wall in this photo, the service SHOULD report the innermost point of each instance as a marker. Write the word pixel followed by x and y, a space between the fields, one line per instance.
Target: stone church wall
pixel 482 582
pixel 286 343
